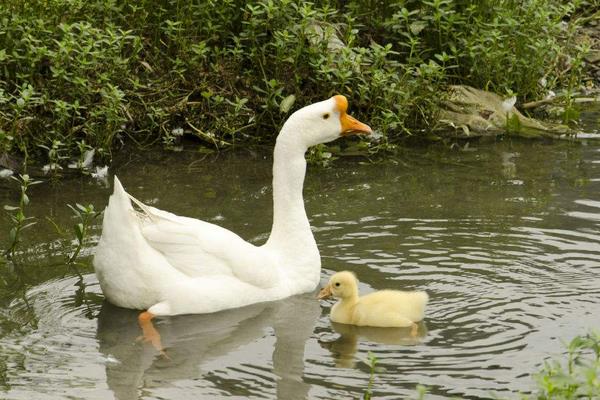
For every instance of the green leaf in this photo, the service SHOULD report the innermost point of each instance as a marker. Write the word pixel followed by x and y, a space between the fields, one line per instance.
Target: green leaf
pixel 12 235
pixel 75 211
pixel 513 123
pixel 28 225
pixel 287 103
pixel 10 208
pixel 79 232
pixel 25 199
pixel 570 114
pixel 417 26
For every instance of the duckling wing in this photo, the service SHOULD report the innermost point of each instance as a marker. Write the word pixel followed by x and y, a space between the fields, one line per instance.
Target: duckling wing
pixel 391 308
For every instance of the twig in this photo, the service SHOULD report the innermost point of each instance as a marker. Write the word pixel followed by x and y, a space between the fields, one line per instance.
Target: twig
pixel 537 103
pixel 208 137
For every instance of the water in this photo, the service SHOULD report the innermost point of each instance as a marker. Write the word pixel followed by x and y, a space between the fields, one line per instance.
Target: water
pixel 504 237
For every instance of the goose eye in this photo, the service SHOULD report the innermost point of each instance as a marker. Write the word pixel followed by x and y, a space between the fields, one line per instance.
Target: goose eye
pixel 326 115
pixel 337 284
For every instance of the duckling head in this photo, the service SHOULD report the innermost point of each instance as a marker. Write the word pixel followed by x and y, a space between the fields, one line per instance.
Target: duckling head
pixel 323 122
pixel 341 285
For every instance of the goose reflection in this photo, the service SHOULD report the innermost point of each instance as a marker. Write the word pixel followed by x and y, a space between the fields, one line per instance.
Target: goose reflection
pixel 344 348
pixel 192 342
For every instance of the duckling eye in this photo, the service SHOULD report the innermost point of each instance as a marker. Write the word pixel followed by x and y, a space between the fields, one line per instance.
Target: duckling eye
pixel 326 115
pixel 337 284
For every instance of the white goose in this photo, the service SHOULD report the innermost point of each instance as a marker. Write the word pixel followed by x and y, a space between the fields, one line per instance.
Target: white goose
pixel 168 265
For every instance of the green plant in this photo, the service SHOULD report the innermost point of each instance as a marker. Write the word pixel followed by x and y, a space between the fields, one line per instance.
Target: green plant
pixel 85 215
pixel 368 395
pixel 102 72
pixel 320 155
pixel 19 221
pixel 571 113
pixel 578 377
pixel 56 154
pixel 421 392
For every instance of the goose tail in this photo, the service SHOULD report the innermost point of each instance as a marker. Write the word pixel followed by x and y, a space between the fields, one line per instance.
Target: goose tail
pixel 124 201
pixel 119 196
pixel 118 214
pixel 123 260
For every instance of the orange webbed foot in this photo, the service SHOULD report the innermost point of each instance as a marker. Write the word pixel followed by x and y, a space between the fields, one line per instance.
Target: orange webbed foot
pixel 414 330
pixel 149 332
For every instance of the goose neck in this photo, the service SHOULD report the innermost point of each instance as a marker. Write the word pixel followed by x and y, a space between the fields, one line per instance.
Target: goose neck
pixel 290 223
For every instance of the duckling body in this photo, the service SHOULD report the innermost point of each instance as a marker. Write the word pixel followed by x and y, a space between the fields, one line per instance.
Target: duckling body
pixel 385 308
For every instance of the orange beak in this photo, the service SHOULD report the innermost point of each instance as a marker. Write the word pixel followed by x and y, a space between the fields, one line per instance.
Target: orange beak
pixel 350 125
pixel 325 292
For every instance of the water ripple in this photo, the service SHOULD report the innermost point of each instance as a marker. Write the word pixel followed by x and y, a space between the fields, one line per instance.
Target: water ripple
pixel 492 291
pixel 505 241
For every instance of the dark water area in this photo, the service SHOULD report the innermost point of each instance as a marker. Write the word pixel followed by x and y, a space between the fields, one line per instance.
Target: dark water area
pixel 504 236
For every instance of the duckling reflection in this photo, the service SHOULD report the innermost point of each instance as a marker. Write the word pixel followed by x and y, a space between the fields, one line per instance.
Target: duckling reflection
pixel 194 344
pixel 344 348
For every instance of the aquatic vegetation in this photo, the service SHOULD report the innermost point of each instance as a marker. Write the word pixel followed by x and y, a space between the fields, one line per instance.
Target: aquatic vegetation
pixel 19 221
pixel 80 75
pixel 85 215
pixel 368 395
pixel 576 378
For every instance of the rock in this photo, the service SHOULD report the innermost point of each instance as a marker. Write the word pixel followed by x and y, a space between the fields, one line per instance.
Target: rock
pixel 472 112
pixel 593 56
pixel 10 162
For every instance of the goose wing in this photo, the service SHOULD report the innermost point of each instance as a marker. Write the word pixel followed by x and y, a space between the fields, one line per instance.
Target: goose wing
pixel 198 248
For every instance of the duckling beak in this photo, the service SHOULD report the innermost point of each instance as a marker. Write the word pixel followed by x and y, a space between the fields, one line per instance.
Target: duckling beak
pixel 350 125
pixel 325 292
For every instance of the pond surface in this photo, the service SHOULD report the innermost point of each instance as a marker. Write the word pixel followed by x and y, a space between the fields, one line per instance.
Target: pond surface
pixel 504 237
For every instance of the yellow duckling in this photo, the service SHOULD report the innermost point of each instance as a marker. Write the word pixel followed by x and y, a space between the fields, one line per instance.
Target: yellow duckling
pixel 386 308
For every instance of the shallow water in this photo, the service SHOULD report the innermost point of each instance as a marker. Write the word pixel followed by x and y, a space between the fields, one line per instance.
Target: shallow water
pixel 504 236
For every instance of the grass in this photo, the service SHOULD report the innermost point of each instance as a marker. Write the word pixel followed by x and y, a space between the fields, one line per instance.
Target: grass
pixel 18 220
pixel 79 75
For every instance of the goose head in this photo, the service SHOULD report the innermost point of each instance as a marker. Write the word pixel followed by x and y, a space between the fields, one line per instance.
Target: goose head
pixel 323 122
pixel 341 285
